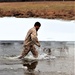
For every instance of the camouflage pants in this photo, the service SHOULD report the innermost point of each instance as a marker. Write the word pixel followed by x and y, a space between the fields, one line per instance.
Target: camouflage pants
pixel 31 48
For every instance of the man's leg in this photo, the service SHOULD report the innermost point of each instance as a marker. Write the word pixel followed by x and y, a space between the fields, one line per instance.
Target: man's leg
pixel 34 51
pixel 24 52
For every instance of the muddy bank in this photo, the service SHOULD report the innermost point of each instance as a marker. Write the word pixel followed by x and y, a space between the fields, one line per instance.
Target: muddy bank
pixel 50 14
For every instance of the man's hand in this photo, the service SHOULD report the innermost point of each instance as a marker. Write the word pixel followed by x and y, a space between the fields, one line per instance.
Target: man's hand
pixel 38 45
pixel 23 45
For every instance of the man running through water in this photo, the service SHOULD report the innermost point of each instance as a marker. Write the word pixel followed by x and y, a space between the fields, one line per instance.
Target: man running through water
pixel 30 41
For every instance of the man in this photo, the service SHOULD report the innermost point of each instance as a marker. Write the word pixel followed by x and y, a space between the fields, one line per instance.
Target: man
pixel 31 40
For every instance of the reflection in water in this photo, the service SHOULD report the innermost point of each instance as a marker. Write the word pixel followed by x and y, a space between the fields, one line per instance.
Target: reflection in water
pixel 31 65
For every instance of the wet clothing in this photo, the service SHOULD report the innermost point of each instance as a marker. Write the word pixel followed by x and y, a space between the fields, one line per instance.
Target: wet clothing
pixel 31 40
pixel 27 49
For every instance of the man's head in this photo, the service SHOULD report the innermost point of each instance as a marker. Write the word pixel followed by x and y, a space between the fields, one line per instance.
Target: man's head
pixel 37 25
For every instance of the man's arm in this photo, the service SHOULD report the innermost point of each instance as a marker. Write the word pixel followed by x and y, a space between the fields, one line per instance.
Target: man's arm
pixel 34 38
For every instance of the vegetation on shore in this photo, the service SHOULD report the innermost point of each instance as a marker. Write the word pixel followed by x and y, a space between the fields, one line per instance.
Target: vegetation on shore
pixel 46 9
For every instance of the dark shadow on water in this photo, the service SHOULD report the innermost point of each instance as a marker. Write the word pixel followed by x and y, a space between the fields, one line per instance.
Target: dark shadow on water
pixel 31 65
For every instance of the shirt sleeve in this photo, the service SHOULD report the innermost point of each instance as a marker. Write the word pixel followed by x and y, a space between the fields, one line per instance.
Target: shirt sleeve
pixel 34 38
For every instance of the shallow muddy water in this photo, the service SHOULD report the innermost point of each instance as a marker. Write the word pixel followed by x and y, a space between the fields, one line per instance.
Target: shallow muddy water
pixel 60 62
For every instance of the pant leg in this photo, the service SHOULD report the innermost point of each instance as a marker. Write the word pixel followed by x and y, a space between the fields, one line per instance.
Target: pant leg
pixel 34 51
pixel 25 51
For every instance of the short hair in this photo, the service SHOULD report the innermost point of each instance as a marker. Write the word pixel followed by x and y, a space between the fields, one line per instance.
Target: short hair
pixel 37 24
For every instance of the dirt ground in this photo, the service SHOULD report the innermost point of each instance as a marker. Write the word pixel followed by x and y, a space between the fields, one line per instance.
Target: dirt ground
pixel 47 9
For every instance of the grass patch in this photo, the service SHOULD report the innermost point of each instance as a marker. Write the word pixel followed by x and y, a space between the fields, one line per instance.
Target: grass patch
pixel 45 9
